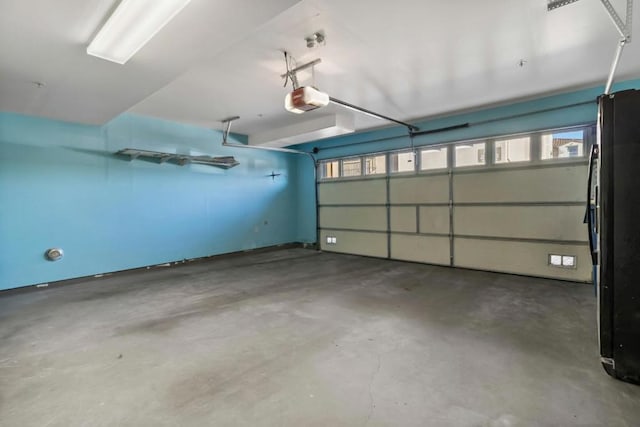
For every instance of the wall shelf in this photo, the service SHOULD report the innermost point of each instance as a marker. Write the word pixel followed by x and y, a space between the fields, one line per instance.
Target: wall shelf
pixel 225 162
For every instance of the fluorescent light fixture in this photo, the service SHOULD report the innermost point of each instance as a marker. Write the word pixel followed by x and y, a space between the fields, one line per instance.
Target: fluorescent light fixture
pixel 432 150
pixel 131 26
pixel 463 146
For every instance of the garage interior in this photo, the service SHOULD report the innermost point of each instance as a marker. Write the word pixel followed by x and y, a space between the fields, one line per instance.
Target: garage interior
pixel 179 249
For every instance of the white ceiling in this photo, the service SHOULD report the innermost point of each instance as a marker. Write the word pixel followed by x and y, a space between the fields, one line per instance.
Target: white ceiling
pixel 407 59
pixel 45 41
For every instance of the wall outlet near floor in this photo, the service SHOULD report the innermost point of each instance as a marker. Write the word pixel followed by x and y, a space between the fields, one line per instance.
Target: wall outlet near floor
pixel 562 261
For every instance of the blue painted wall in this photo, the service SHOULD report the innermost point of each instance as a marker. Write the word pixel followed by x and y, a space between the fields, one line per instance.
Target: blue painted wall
pixel 395 137
pixel 61 186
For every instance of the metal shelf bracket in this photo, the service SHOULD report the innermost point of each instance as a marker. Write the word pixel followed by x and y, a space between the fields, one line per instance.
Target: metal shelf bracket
pixel 225 162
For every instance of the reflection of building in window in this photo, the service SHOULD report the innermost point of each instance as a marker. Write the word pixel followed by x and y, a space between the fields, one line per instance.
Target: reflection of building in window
pixel 330 169
pixel 565 147
pixel 402 162
pixel 512 150
pixel 470 154
pixel 433 158
pixel 562 145
pixel 375 165
pixel 352 167
pixel 481 156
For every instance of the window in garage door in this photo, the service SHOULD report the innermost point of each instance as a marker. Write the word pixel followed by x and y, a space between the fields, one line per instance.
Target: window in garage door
pixel 375 165
pixel 558 145
pixel 402 161
pixel 433 158
pixel 512 150
pixel 468 154
pixel 352 167
pixel 330 169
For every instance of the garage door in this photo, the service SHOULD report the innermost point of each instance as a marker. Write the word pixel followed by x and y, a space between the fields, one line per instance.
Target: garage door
pixel 512 204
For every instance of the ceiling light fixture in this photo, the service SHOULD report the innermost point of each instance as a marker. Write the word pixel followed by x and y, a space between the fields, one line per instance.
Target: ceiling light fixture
pixel 131 26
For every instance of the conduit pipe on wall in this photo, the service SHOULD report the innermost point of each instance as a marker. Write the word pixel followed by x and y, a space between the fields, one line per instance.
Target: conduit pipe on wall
pixel 226 143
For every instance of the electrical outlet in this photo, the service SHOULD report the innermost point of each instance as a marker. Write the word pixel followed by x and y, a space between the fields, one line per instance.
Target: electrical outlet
pixel 562 261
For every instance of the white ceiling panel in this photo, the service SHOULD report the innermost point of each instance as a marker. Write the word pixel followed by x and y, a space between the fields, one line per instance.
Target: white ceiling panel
pixel 45 41
pixel 407 59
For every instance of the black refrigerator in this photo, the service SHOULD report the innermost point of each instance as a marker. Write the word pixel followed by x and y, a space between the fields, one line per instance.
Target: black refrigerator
pixel 614 231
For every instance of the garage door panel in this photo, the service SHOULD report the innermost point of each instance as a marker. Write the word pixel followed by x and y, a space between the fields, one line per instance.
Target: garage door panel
pixel 356 218
pixel 422 189
pixel 364 192
pixel 434 219
pixel 563 223
pixel 552 184
pixel 404 218
pixel 355 242
pixel 428 249
pixel 517 214
pixel 527 258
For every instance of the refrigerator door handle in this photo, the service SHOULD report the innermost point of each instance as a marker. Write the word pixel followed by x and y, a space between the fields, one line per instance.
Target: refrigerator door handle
pixel 590 213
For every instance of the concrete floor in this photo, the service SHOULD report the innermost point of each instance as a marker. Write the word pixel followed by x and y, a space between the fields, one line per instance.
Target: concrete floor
pixel 299 338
